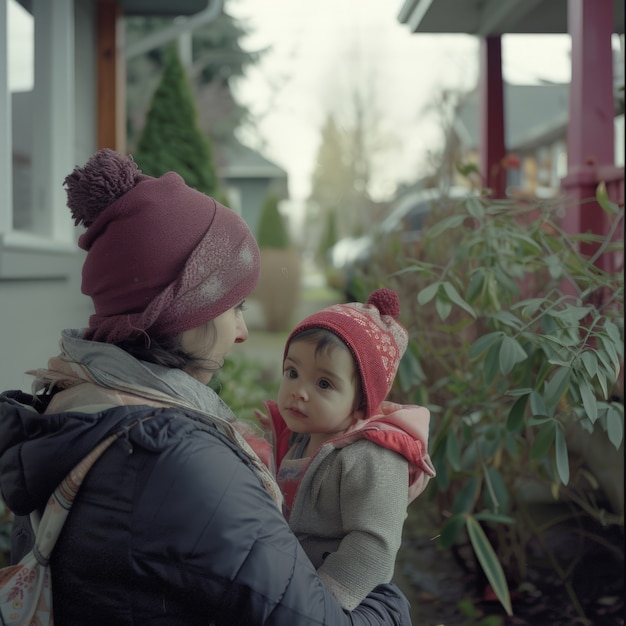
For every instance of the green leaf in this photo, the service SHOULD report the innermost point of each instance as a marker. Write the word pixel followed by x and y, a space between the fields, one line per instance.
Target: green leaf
pixel 555 268
pixel 602 197
pixel 465 498
pixel 589 399
pixel 487 516
pixel 451 531
pixel 615 427
pixel 508 318
pixel 443 306
pixel 612 351
pixel 613 332
pixel 490 440
pixel 455 297
pixel 496 495
pixel 475 285
pixel 410 370
pixel 543 441
pixel 482 344
pixel 522 391
pixel 428 293
pixel 556 387
pixel 562 460
pixel 453 221
pixel 511 353
pixel 590 363
pixel 489 562
pixel 530 307
pixel 572 314
pixel 453 451
pixel 475 207
pixel 490 370
pixel 537 405
pixel 515 419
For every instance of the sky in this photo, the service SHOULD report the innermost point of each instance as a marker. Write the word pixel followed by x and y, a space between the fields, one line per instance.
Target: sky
pixel 318 54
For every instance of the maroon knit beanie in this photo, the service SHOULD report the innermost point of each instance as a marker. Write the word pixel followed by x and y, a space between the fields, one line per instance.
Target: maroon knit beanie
pixel 162 257
pixel 373 335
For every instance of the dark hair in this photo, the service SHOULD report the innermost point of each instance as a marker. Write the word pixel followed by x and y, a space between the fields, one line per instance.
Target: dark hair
pixel 325 342
pixel 169 352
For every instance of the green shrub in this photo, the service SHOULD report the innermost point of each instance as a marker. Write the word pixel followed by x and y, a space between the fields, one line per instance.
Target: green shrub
pixel 272 230
pixel 515 339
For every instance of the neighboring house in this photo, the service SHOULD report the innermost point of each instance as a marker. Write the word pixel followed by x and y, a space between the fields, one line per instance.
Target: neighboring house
pixel 535 132
pixel 535 125
pixel 74 106
pixel 591 110
pixel 249 177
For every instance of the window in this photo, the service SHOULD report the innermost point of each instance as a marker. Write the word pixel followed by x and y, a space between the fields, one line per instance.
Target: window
pixel 36 136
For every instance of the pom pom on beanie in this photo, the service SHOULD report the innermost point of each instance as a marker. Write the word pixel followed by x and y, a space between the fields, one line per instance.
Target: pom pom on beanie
pixel 373 335
pixel 162 257
pixel 386 301
pixel 106 177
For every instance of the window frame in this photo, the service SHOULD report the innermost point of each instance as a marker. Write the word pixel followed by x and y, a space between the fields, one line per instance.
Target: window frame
pixel 50 253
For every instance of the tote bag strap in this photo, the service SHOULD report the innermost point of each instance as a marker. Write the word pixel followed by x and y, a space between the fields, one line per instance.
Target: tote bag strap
pixel 61 500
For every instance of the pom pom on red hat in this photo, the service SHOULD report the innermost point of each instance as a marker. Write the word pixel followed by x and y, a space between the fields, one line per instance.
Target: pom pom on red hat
pixel 386 301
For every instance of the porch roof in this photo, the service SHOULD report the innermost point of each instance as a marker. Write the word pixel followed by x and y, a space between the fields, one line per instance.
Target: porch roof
pixel 493 17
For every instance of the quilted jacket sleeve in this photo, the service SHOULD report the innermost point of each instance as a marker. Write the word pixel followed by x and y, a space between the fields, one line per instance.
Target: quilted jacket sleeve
pixel 206 543
pixel 244 562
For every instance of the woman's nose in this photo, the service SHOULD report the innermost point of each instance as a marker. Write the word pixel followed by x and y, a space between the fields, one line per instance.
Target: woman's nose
pixel 242 331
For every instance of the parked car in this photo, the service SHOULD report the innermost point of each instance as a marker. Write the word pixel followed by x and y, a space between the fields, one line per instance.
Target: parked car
pixel 351 256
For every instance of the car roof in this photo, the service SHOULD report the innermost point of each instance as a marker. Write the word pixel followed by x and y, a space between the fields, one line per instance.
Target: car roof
pixel 419 201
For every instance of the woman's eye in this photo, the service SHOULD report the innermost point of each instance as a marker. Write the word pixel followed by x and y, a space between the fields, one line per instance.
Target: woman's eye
pixel 241 306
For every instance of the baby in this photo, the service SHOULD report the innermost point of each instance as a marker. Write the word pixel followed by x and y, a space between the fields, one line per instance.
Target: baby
pixel 348 462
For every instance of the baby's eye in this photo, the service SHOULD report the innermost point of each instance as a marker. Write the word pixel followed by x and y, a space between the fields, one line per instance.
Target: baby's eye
pixel 324 384
pixel 290 372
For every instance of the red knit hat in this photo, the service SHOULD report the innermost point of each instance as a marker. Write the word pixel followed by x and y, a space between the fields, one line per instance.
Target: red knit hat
pixel 161 257
pixel 374 337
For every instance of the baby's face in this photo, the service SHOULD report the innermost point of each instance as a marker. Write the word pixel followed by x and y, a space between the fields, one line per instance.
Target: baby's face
pixel 317 389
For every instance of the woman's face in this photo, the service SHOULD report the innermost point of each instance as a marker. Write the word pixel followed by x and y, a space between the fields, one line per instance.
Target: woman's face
pixel 228 328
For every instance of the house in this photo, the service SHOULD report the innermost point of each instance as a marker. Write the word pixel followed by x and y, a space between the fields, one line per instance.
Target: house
pixel 61 98
pixel 534 128
pixel 591 107
pixel 249 177
pixel 535 131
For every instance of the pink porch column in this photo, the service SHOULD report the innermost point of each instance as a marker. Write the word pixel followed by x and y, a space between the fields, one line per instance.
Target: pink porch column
pixel 590 133
pixel 491 107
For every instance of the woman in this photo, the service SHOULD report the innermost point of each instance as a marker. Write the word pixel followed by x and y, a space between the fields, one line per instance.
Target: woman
pixel 179 522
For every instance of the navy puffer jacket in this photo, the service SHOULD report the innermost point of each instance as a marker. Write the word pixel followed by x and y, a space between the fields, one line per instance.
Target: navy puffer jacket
pixel 171 526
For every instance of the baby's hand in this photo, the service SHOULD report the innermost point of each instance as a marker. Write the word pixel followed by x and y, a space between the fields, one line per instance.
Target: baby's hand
pixel 263 419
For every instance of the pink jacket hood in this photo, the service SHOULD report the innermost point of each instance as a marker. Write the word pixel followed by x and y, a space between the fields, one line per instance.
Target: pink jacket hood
pixel 402 428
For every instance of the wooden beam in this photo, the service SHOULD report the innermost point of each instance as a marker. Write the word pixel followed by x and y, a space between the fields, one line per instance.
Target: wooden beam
pixel 491 110
pixel 590 132
pixel 111 80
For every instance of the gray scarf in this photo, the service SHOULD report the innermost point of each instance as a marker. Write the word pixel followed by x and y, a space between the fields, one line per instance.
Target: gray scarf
pixel 110 368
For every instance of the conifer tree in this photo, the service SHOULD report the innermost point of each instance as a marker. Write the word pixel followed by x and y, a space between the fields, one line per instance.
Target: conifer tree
pixel 171 139
pixel 272 231
pixel 329 236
